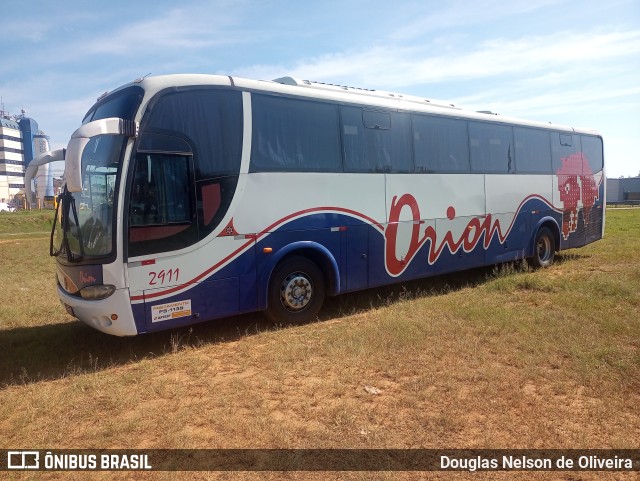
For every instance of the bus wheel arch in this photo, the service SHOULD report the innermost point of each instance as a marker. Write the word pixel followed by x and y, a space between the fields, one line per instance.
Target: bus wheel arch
pixel 296 290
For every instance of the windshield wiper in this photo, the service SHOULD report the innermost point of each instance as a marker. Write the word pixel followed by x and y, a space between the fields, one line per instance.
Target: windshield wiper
pixel 68 202
pixel 54 252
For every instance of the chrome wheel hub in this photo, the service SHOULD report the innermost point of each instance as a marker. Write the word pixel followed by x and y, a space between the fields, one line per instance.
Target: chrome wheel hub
pixel 296 291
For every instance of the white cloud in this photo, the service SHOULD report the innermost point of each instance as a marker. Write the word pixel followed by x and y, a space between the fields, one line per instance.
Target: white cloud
pixel 538 104
pixel 173 30
pixel 554 56
pixel 461 13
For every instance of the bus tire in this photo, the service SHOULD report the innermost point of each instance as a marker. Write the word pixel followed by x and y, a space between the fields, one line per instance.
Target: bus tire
pixel 544 249
pixel 296 291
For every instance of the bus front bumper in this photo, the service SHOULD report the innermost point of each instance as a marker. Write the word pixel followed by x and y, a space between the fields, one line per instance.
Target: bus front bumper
pixel 112 315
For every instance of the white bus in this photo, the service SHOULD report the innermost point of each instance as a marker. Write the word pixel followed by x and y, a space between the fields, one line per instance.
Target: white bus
pixel 195 197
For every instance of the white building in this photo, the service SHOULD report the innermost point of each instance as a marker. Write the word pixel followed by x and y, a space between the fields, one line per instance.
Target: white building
pixel 11 160
pixel 20 142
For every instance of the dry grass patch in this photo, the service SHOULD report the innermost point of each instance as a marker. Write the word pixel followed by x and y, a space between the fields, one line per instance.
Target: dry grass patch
pixel 493 358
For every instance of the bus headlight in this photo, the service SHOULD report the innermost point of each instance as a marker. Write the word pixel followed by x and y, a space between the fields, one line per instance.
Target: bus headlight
pixel 93 293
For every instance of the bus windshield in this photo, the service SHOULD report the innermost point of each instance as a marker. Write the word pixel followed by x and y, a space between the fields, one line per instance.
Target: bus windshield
pixel 85 219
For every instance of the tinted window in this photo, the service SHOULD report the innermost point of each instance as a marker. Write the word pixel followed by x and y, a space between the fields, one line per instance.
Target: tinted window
pixel 533 151
pixel 294 135
pixel 161 210
pixel 373 119
pixel 209 120
pixel 122 105
pixel 214 197
pixel 440 144
pixel 564 146
pixel 375 141
pixel 163 143
pixel 491 148
pixel 592 150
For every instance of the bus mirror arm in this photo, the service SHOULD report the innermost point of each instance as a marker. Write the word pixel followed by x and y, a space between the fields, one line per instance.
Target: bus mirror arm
pixel 81 137
pixel 42 159
pixel 73 166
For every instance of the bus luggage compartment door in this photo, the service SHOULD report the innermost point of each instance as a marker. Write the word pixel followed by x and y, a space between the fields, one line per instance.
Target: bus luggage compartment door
pixel 357 257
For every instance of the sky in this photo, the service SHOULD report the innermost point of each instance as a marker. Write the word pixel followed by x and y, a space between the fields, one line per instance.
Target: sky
pixel 569 62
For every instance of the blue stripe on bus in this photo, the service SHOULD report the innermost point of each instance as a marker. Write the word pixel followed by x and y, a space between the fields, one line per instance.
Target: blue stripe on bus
pixel 234 290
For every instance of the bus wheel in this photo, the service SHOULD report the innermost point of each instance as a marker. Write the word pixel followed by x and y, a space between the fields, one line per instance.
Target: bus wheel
pixel 296 291
pixel 544 249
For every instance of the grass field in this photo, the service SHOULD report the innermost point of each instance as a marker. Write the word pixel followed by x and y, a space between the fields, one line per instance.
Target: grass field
pixel 492 358
pixel 23 222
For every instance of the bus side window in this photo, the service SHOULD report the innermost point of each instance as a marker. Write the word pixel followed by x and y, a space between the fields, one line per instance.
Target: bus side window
pixel 491 148
pixel 533 150
pixel 441 145
pixel 160 208
pixel 376 141
pixel 592 151
pixel 214 197
pixel 205 125
pixel 292 135
pixel 161 193
pixel 352 143
pixel 209 123
pixel 563 147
